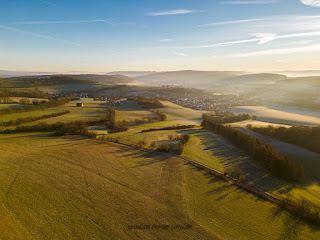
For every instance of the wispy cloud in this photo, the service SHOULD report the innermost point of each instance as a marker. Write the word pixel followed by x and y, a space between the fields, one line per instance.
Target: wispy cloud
pixel 234 22
pixel 172 12
pixel 166 40
pixel 11 29
pixel 280 51
pixel 260 38
pixel 271 37
pixel 49 3
pixel 180 54
pixel 222 44
pixel 314 3
pixel 62 22
pixel 276 19
pixel 249 2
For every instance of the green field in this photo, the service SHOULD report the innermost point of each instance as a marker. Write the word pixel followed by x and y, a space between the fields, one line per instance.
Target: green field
pixel 130 110
pixel 77 188
pixel 91 110
pixel 10 105
pixel 235 214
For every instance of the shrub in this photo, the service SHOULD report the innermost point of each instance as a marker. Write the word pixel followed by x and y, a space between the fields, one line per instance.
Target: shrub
pixel 153 145
pixel 178 149
pixel 142 143
pixel 164 147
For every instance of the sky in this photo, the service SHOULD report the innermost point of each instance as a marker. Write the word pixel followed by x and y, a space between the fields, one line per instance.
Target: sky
pixel 159 35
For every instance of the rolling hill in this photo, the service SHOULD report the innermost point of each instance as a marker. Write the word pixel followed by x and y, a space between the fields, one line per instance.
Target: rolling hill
pixel 108 79
pixel 262 78
pixel 187 77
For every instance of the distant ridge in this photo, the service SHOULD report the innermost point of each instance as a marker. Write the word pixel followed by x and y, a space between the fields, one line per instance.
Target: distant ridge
pixel 188 77
pixel 110 79
pixel 131 73
pixel 257 78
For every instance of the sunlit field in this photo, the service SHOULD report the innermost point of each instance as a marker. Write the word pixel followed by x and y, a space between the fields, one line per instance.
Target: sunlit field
pixel 276 116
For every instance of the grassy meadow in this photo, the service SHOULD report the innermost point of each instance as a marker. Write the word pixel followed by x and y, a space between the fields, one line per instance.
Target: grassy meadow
pixel 56 188
pixel 235 214
pixel 91 110
pixel 53 187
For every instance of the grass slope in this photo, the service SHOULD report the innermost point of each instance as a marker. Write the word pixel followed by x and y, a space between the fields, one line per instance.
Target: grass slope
pixel 235 214
pixel 76 188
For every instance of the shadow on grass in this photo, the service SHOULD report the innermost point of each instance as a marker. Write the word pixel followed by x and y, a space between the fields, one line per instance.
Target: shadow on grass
pixel 293 224
pixel 234 158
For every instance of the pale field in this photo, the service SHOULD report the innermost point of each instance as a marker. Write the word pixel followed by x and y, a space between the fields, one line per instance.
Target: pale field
pixel 276 116
pixel 256 123
pixel 176 112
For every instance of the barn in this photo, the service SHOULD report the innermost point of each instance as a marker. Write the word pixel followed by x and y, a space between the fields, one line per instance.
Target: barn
pixel 79 105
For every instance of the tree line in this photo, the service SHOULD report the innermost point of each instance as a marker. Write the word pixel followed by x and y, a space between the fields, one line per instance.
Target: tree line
pixel 307 137
pixel 33 119
pixel 110 122
pixel 149 102
pixel 60 128
pixel 27 108
pixel 36 93
pixel 168 128
pixel 229 117
pixel 278 164
pixel 160 114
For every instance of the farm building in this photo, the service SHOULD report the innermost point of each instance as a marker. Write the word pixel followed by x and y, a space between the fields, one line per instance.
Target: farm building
pixel 79 105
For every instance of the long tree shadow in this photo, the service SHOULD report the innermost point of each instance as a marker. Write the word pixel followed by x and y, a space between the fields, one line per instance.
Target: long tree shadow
pixel 235 159
pixel 293 225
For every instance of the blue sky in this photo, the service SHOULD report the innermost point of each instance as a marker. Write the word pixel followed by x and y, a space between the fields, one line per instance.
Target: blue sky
pixel 111 35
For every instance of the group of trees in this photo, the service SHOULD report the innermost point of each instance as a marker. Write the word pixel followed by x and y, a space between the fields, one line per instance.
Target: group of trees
pixel 228 117
pixel 149 102
pixel 137 121
pixel 161 115
pixel 33 119
pixel 178 148
pixel 168 128
pixel 278 164
pixel 60 128
pixel 111 123
pixel 49 104
pixel 307 137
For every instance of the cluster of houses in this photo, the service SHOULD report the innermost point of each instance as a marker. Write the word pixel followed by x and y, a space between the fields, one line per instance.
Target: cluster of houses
pixel 191 98
pixel 207 101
